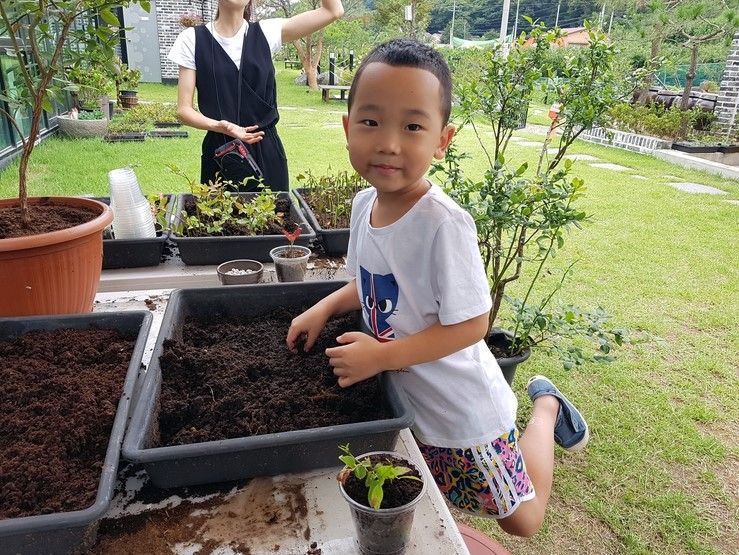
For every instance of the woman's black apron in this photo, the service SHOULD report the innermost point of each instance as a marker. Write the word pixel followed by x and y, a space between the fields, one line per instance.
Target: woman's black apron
pixel 217 83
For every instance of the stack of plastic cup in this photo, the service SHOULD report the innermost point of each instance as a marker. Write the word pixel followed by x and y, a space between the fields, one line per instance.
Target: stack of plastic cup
pixel 132 217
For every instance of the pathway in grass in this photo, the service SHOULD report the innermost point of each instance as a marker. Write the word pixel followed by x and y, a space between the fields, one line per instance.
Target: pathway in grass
pixel 697 188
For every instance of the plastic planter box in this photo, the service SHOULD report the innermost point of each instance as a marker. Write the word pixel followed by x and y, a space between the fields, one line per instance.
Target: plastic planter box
pixel 75 531
pixel 135 253
pixel 264 455
pixel 216 250
pixel 335 241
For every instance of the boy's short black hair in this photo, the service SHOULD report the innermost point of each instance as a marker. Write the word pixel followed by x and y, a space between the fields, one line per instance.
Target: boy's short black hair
pixel 410 53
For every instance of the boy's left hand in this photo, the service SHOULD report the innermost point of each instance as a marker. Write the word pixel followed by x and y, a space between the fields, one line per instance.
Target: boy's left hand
pixel 358 358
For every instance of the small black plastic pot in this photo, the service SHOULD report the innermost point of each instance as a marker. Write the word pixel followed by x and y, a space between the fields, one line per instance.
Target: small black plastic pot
pixel 502 340
pixel 168 134
pixel 166 124
pixel 383 531
pixel 125 137
pixel 335 241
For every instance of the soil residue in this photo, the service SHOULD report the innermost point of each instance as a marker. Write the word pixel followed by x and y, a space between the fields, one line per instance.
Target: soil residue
pixel 59 396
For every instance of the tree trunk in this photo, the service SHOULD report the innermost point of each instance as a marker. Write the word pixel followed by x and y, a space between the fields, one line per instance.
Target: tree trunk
pixel 25 157
pixel 685 125
pixel 649 79
pixel 309 56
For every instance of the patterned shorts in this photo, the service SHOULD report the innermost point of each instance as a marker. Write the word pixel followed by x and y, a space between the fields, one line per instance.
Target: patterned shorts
pixel 486 480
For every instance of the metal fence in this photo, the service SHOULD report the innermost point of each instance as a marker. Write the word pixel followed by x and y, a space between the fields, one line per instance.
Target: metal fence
pixel 674 76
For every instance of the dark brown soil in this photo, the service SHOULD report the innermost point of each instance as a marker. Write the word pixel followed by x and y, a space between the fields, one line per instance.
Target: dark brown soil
pixel 234 229
pixel 59 395
pixel 235 379
pixel 44 219
pixel 396 493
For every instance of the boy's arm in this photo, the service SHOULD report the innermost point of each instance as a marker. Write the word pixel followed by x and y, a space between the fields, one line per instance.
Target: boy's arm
pixel 310 323
pixel 360 356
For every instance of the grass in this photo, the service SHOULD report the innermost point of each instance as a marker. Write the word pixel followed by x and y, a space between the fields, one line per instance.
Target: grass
pixel 661 474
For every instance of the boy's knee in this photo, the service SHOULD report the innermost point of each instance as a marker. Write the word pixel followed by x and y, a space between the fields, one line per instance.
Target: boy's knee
pixel 521 524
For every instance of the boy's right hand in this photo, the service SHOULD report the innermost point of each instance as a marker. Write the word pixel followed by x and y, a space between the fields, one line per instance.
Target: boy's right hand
pixel 306 327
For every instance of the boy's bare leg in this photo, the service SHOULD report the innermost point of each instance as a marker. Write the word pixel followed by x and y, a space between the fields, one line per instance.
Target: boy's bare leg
pixel 537 446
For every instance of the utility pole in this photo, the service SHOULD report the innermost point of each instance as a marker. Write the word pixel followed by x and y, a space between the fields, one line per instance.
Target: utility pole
pixel 451 29
pixel 556 21
pixel 515 21
pixel 504 25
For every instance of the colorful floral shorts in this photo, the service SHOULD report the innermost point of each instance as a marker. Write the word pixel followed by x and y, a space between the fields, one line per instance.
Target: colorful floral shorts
pixel 485 480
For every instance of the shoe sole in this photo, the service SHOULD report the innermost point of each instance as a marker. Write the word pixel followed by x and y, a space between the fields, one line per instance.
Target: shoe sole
pixel 580 445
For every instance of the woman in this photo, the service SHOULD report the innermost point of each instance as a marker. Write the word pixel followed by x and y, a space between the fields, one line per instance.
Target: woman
pixel 229 62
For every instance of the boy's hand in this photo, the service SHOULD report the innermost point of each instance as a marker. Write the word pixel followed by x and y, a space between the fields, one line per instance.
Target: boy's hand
pixel 358 358
pixel 307 327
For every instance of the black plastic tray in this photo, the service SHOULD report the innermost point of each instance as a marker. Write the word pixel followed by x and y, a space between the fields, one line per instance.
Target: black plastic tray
pixel 216 250
pixel 135 253
pixel 265 455
pixel 335 241
pixel 73 531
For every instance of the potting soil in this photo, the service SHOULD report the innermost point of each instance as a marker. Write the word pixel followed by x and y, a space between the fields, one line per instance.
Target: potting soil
pixel 396 493
pixel 44 219
pixel 59 396
pixel 228 379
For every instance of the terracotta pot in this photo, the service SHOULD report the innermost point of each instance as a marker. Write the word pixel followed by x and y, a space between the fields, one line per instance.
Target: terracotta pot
pixel 53 273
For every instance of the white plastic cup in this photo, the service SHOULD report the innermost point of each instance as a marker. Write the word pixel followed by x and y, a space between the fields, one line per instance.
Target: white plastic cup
pixel 132 217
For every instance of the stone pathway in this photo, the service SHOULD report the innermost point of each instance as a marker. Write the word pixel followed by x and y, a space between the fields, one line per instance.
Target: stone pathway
pixel 609 166
pixel 697 188
pixel 635 176
pixel 736 202
pixel 584 157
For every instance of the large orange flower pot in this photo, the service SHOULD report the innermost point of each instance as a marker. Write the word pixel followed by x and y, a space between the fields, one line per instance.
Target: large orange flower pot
pixel 53 273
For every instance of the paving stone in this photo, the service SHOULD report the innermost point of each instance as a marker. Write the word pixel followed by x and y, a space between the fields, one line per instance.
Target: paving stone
pixel 552 151
pixel 697 188
pixel 736 202
pixel 635 176
pixel 672 177
pixel 584 157
pixel 530 143
pixel 609 166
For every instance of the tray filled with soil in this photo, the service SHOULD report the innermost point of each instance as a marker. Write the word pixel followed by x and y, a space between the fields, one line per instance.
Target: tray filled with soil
pixel 137 253
pixel 236 241
pixel 67 383
pixel 223 398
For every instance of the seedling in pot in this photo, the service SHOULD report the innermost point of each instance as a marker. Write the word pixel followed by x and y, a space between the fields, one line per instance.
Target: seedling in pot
pixel 374 476
pixel 292 252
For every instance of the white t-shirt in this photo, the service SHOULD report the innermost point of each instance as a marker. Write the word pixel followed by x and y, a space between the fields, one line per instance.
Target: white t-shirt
pixel 423 269
pixel 183 49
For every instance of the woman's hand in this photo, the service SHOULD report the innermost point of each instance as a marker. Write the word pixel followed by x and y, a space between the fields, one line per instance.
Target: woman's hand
pixel 248 135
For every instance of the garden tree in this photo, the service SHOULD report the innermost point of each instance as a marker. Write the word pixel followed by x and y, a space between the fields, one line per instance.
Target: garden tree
pixel 349 34
pixel 391 15
pixel 38 32
pixel 701 22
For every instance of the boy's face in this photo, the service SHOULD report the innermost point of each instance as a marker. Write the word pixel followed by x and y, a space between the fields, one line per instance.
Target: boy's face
pixel 395 127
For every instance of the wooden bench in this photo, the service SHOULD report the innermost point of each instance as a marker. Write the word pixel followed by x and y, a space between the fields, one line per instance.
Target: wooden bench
pixel 326 92
pixel 293 64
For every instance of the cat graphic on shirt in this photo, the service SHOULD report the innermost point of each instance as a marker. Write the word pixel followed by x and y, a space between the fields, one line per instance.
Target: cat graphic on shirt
pixel 379 301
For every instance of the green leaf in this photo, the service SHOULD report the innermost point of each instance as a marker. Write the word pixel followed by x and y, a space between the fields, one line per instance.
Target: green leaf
pixel 374 496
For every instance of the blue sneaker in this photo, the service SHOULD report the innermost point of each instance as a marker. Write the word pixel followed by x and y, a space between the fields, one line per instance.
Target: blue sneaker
pixel 570 429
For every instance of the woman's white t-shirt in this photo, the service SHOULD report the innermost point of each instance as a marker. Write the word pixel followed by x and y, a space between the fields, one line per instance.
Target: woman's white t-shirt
pixel 423 269
pixel 183 49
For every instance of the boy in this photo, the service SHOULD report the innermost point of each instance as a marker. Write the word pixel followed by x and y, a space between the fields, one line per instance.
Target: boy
pixel 423 291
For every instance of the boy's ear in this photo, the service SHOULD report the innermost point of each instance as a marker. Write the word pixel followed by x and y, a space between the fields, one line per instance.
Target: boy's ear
pixel 345 123
pixel 446 137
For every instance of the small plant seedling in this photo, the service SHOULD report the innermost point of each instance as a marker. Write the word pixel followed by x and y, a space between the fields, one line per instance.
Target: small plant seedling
pixel 291 236
pixel 374 476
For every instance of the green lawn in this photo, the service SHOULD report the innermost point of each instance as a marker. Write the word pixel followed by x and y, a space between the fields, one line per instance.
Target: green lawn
pixel 661 474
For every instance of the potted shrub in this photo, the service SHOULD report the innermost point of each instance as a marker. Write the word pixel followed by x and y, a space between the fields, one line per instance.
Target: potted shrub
pixel 290 260
pixel 127 83
pixel 326 202
pixel 51 247
pixel 382 489
pixel 523 217
pixel 213 225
